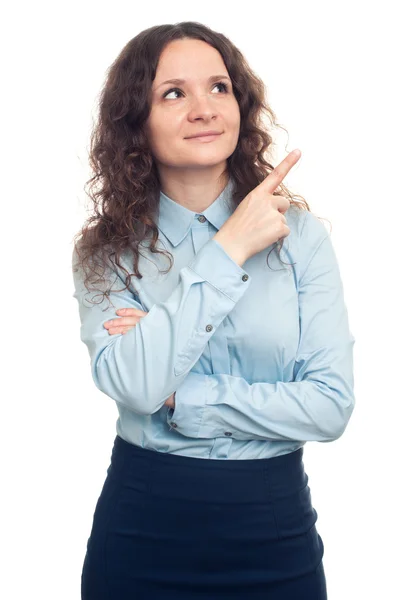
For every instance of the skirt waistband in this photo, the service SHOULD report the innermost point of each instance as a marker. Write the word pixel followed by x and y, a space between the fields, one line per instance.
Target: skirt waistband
pixel 185 477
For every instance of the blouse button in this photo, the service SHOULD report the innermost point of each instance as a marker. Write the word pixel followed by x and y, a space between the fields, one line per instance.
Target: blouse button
pixel 209 327
pixel 228 433
pixel 174 425
pixel 245 277
pixel 201 218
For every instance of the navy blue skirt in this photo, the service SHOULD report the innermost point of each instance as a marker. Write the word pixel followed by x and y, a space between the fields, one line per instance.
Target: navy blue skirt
pixel 174 527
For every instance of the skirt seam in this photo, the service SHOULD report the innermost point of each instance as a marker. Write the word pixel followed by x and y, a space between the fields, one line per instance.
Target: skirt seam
pixel 269 499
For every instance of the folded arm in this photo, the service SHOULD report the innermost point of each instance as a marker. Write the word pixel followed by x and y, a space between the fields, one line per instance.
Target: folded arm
pixel 319 401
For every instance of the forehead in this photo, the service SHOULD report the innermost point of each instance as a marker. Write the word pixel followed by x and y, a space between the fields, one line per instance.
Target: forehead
pixel 189 60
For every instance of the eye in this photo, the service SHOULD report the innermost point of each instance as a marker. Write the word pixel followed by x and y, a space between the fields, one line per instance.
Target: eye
pixel 178 91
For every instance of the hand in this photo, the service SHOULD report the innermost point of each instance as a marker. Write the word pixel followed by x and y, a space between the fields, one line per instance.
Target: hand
pixel 129 317
pixel 258 221
pixel 171 401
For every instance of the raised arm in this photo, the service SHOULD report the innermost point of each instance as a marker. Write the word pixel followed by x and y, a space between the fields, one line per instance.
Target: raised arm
pixel 143 367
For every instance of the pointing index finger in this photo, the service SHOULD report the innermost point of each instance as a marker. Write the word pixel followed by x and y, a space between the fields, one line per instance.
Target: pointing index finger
pixel 273 180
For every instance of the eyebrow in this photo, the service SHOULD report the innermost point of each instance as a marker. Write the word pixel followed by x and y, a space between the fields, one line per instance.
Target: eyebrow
pixel 181 81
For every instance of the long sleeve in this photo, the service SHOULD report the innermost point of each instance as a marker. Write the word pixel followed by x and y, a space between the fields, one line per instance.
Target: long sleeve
pixel 317 404
pixel 143 367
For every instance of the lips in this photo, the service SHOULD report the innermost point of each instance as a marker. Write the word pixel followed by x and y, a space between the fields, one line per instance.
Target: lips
pixel 203 134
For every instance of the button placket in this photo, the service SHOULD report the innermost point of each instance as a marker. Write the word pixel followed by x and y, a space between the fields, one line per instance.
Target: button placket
pixel 209 328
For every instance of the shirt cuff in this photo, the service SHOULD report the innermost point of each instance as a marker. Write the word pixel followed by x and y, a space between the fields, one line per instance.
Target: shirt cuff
pixel 190 401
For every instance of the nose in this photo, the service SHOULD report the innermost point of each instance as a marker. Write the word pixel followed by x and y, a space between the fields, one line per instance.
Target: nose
pixel 202 106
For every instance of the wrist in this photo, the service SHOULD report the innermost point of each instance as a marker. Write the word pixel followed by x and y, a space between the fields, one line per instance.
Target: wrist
pixel 230 247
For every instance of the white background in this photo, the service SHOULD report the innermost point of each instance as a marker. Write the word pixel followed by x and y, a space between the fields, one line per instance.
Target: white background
pixel 332 80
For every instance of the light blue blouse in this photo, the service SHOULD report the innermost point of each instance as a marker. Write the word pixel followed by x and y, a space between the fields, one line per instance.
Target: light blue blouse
pixel 260 357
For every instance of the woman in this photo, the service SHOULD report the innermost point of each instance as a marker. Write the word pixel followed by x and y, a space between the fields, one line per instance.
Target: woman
pixel 222 367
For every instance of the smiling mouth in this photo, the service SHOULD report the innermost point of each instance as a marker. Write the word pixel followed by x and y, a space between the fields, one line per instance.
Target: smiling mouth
pixel 205 138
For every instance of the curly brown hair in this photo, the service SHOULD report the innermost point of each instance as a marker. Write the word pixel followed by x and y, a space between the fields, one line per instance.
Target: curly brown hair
pixel 126 182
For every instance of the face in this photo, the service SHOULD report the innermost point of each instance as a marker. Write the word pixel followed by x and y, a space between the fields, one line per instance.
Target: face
pixel 180 110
